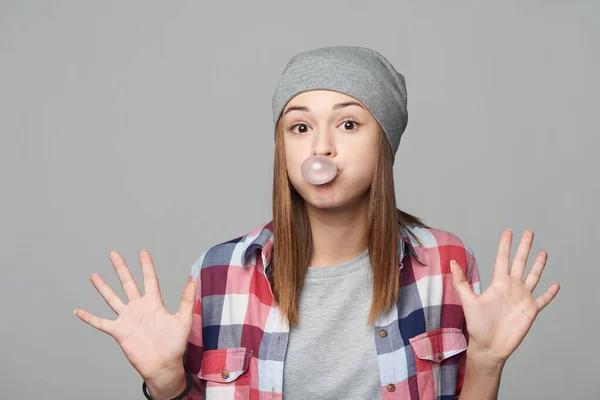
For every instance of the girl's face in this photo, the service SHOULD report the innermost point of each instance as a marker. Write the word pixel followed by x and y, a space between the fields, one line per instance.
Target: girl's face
pixel 324 122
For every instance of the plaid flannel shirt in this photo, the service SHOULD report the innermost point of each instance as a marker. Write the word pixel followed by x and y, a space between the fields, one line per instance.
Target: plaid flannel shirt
pixel 237 345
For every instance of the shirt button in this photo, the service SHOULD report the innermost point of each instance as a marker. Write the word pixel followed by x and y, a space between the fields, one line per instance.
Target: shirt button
pixel 391 387
pixel 383 333
pixel 439 355
pixel 225 373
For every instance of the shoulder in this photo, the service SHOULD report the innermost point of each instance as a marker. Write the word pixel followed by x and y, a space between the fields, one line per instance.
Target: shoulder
pixel 233 252
pixel 440 246
pixel 432 237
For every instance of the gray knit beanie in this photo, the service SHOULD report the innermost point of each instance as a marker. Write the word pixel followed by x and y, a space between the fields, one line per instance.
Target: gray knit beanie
pixel 359 72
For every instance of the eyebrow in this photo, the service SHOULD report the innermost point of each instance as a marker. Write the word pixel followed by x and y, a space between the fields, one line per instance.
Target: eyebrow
pixel 335 107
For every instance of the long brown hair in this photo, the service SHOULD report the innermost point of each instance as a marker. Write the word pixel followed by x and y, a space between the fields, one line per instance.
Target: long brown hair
pixel 292 235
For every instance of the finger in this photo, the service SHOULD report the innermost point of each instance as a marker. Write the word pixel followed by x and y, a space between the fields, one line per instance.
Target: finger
pixel 503 254
pixel 520 260
pixel 149 272
pixel 547 297
pixel 188 301
pixel 129 286
pixel 107 293
pixel 464 290
pixel 101 324
pixel 533 277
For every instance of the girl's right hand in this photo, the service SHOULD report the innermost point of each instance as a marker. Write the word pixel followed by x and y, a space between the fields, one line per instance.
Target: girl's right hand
pixel 153 339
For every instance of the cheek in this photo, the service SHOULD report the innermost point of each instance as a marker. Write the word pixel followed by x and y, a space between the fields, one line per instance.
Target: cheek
pixel 296 179
pixel 365 161
pixel 293 164
pixel 370 165
pixel 364 173
pixel 295 154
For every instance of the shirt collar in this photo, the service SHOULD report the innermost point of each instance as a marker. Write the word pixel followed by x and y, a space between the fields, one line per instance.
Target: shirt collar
pixel 410 245
pixel 264 242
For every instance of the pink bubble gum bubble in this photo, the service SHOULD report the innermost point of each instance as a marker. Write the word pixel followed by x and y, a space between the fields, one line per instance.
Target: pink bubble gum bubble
pixel 318 170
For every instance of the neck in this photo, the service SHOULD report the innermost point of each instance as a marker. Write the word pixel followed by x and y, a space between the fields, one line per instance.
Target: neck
pixel 338 235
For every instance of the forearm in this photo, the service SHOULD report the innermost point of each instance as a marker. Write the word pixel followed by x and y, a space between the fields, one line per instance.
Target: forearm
pixel 482 379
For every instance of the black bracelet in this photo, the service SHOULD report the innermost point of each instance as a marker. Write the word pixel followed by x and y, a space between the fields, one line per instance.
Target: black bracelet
pixel 188 387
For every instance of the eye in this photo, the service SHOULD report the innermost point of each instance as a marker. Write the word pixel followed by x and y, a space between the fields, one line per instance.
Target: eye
pixel 349 123
pixel 303 128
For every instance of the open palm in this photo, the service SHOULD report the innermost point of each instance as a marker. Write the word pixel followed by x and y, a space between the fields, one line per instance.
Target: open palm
pixel 499 318
pixel 152 339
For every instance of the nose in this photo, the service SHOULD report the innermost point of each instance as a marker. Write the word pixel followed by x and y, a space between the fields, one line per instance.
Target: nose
pixel 323 144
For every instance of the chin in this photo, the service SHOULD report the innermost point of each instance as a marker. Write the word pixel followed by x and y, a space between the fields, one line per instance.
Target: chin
pixel 331 202
pixel 331 207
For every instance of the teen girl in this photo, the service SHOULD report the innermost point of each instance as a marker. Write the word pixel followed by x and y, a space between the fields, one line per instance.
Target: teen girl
pixel 341 295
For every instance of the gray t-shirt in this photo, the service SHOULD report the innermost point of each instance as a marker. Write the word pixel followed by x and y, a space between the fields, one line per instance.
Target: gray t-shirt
pixel 331 353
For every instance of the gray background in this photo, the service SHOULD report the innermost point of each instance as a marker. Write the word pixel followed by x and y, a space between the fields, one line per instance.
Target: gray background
pixel 127 125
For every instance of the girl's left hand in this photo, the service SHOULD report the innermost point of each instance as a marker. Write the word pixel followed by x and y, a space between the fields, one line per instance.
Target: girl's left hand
pixel 499 318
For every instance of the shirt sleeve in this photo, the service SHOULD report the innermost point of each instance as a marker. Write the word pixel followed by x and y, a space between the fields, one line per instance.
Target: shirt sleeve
pixel 472 276
pixel 194 351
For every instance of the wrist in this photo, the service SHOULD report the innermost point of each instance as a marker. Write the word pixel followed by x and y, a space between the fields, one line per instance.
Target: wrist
pixel 483 362
pixel 168 385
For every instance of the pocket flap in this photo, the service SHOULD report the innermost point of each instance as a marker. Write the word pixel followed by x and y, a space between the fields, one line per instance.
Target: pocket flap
pixel 224 365
pixel 439 344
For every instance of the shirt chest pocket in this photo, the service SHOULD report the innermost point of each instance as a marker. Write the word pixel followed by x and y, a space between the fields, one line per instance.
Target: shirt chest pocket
pixel 222 366
pixel 438 354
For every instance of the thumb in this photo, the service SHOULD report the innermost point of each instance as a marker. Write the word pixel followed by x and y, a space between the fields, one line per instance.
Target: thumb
pixel 188 301
pixel 460 283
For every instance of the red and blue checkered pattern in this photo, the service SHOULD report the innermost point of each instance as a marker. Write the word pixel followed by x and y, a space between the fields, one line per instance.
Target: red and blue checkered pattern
pixel 237 346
